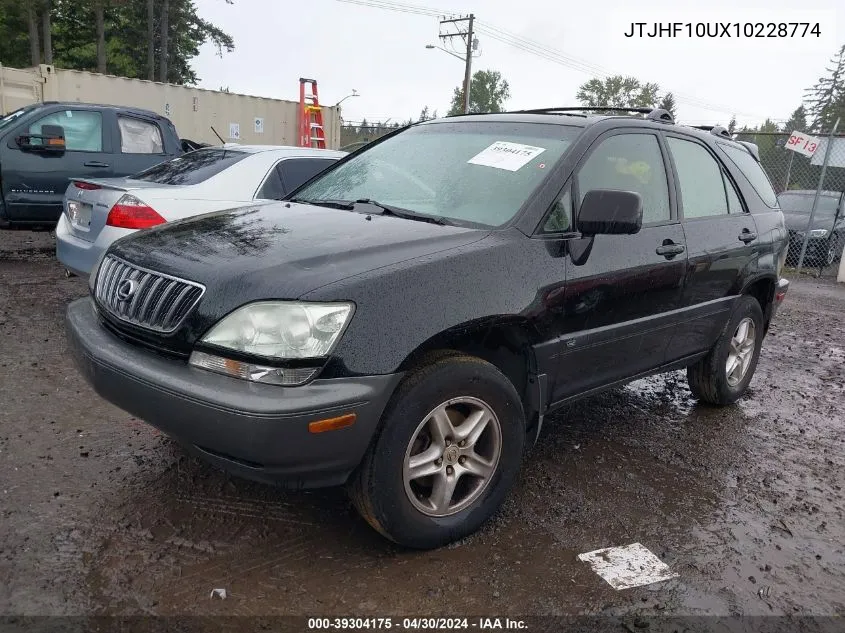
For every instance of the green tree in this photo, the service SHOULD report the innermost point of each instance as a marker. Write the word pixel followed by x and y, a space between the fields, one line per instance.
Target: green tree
pixel 488 93
pixel 110 35
pixel 668 103
pixel 797 121
pixel 732 125
pixel 619 92
pixel 826 100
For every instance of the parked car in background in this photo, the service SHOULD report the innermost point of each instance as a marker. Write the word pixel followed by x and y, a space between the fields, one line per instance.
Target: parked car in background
pixel 99 211
pixel 43 145
pixel 826 235
pixel 406 321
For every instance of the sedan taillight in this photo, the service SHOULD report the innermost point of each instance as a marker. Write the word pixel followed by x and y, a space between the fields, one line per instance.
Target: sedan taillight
pixel 131 213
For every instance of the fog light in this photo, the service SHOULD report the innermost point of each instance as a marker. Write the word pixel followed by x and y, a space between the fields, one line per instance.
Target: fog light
pixel 284 376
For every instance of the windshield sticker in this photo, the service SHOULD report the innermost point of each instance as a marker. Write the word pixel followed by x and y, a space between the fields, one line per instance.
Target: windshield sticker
pixel 505 155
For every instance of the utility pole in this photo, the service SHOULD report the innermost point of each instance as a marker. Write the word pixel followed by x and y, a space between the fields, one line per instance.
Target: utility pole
pixel 469 39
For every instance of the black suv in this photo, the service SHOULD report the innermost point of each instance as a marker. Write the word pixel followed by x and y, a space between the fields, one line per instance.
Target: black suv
pixel 405 321
pixel 43 146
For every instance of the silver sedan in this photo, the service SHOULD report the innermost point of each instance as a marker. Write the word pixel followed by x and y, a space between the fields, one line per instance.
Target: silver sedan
pixel 97 212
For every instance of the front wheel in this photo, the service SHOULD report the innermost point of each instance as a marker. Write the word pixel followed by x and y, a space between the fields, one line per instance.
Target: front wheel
pixel 723 375
pixel 449 449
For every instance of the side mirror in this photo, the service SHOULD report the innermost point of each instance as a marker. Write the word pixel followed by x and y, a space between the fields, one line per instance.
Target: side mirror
pixel 51 139
pixel 610 212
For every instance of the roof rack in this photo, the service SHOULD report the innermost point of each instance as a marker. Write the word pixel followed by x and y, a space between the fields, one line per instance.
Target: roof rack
pixel 652 114
pixel 716 130
pixel 582 109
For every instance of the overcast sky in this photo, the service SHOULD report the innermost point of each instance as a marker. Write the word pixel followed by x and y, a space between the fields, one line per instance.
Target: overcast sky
pixel 382 53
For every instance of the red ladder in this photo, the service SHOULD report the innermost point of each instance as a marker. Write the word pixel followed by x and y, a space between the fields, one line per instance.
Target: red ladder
pixel 311 133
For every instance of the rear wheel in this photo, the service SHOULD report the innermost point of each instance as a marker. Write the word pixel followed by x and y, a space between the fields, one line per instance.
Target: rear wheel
pixel 449 449
pixel 723 375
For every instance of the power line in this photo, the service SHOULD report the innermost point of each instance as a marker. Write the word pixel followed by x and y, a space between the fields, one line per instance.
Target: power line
pixel 537 49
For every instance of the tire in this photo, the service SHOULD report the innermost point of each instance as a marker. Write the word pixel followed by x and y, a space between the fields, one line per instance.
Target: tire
pixel 709 379
pixel 403 508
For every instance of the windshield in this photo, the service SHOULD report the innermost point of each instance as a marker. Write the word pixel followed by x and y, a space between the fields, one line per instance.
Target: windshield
pixel 14 116
pixel 191 168
pixel 475 172
pixel 803 204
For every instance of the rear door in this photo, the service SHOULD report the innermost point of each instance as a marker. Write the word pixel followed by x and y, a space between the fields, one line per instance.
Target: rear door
pixel 721 238
pixel 622 291
pixel 34 182
pixel 140 144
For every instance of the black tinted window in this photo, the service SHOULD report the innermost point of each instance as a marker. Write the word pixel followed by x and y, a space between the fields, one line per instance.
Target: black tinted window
pixel 272 188
pixel 629 162
pixel 192 168
pixel 298 171
pixel 753 171
pixel 700 177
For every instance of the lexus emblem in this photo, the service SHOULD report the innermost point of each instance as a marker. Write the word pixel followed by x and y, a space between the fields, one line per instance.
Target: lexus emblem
pixel 126 289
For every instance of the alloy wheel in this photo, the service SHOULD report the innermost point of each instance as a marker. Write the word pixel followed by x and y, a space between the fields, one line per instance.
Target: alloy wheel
pixel 452 456
pixel 741 351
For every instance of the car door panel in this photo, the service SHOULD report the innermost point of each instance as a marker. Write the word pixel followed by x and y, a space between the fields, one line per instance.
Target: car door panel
pixel 34 182
pixel 723 244
pixel 622 291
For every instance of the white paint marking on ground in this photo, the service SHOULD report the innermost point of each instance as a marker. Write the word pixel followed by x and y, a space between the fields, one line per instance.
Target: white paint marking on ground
pixel 628 566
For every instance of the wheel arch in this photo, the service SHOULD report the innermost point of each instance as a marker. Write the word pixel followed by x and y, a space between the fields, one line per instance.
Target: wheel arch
pixel 762 288
pixel 505 342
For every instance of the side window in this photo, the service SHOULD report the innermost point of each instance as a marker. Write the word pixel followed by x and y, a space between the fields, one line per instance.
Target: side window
pixel 752 170
pixel 272 188
pixel 297 171
pixel 700 178
pixel 560 218
pixel 734 203
pixel 629 162
pixel 139 137
pixel 83 129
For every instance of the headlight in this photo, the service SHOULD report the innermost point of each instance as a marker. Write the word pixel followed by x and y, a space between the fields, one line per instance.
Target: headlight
pixel 818 232
pixel 283 330
pixel 278 330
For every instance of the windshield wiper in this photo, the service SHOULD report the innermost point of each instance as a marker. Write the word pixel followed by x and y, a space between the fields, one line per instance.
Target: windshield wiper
pixel 332 204
pixel 405 214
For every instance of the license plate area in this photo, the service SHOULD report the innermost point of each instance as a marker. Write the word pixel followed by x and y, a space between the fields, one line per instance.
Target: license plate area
pixel 79 214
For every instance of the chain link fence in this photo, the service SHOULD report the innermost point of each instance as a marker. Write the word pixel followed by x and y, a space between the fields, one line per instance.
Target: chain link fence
pixel 803 169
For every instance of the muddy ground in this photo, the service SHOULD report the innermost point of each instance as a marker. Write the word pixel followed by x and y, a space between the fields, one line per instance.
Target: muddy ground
pixel 100 514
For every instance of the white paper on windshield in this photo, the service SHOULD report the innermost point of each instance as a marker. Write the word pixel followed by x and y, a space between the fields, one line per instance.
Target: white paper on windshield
pixel 505 155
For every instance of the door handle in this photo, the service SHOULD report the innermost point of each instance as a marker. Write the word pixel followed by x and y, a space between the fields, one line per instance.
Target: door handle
pixel 669 249
pixel 747 236
pixel 96 163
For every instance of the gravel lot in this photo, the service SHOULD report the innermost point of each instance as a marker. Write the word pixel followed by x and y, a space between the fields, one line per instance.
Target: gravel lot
pixel 102 515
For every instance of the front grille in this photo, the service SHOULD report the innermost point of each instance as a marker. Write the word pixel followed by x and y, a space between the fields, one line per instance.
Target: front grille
pixel 144 298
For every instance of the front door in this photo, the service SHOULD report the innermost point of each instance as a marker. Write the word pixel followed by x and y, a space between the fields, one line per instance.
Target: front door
pixel 34 182
pixel 722 239
pixel 621 290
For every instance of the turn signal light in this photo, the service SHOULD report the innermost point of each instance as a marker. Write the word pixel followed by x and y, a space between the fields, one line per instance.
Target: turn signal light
pixel 130 213
pixel 332 424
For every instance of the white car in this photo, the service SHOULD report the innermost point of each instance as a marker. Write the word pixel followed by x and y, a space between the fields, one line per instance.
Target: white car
pixel 97 212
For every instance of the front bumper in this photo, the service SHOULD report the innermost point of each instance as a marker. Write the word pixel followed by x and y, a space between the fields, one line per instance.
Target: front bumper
pixel 251 430
pixel 78 255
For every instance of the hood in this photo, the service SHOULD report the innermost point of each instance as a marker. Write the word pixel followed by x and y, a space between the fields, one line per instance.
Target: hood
pixel 800 221
pixel 283 250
